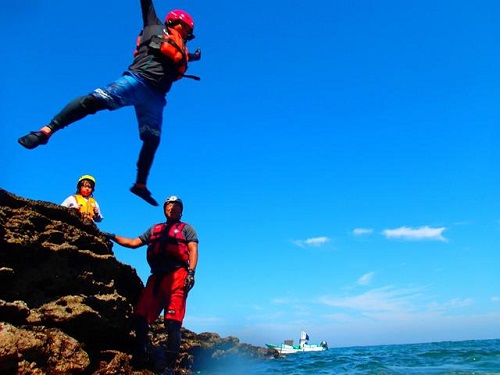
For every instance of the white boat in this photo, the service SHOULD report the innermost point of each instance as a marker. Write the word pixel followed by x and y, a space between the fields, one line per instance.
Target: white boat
pixel 287 346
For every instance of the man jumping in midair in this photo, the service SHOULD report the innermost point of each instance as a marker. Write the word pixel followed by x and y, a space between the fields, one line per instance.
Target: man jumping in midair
pixel 161 58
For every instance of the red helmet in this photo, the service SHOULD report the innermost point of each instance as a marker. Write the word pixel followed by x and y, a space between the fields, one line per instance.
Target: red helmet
pixel 178 15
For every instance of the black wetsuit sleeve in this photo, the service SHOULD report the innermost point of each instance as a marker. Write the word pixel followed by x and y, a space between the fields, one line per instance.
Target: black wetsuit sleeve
pixel 149 16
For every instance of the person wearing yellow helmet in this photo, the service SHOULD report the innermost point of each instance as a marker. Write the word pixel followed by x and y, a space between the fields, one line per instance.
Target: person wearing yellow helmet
pixel 83 200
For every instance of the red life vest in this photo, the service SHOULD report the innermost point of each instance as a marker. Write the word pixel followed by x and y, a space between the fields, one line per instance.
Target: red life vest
pixel 171 45
pixel 167 248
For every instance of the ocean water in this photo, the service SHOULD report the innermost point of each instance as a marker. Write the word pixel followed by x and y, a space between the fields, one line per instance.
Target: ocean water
pixel 450 358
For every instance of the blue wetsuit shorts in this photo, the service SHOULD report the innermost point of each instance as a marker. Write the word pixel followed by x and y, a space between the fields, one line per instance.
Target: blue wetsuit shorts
pixel 131 90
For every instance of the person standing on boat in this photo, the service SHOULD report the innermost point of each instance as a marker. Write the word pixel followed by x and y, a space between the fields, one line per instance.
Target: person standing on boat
pixel 172 254
pixel 304 338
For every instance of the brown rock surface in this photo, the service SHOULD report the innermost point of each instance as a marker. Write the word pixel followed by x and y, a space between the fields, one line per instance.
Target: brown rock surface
pixel 66 302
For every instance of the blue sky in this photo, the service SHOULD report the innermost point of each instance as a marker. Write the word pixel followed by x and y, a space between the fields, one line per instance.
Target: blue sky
pixel 338 159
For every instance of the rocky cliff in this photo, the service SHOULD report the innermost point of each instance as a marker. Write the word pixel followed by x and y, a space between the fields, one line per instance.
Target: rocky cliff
pixel 66 302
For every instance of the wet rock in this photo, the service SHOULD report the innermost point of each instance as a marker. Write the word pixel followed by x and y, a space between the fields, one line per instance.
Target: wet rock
pixel 66 302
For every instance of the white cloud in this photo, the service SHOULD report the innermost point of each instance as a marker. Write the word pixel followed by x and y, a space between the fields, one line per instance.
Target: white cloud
pixel 312 242
pixel 362 231
pixel 454 303
pixel 385 299
pixel 283 300
pixel 495 299
pixel 415 234
pixel 366 279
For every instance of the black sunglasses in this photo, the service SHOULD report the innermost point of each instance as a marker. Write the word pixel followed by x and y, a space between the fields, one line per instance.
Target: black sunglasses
pixel 190 36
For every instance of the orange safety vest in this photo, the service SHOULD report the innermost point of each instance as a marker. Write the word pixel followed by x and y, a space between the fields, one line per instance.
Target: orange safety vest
pixel 167 248
pixel 86 206
pixel 171 45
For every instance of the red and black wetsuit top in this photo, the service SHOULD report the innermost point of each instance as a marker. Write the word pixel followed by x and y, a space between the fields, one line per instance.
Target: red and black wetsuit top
pixel 168 246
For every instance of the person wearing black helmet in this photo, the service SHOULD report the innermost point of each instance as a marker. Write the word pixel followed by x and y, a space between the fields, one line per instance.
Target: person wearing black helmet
pixel 172 255
pixel 83 200
pixel 161 58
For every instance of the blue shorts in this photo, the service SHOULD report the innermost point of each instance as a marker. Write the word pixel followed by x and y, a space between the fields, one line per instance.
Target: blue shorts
pixel 130 89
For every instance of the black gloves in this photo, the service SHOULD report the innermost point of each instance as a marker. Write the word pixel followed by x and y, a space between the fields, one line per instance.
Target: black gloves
pixel 195 56
pixel 189 282
pixel 109 236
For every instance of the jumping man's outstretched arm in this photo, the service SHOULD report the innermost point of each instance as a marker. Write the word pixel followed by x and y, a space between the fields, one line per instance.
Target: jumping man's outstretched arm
pixel 149 16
